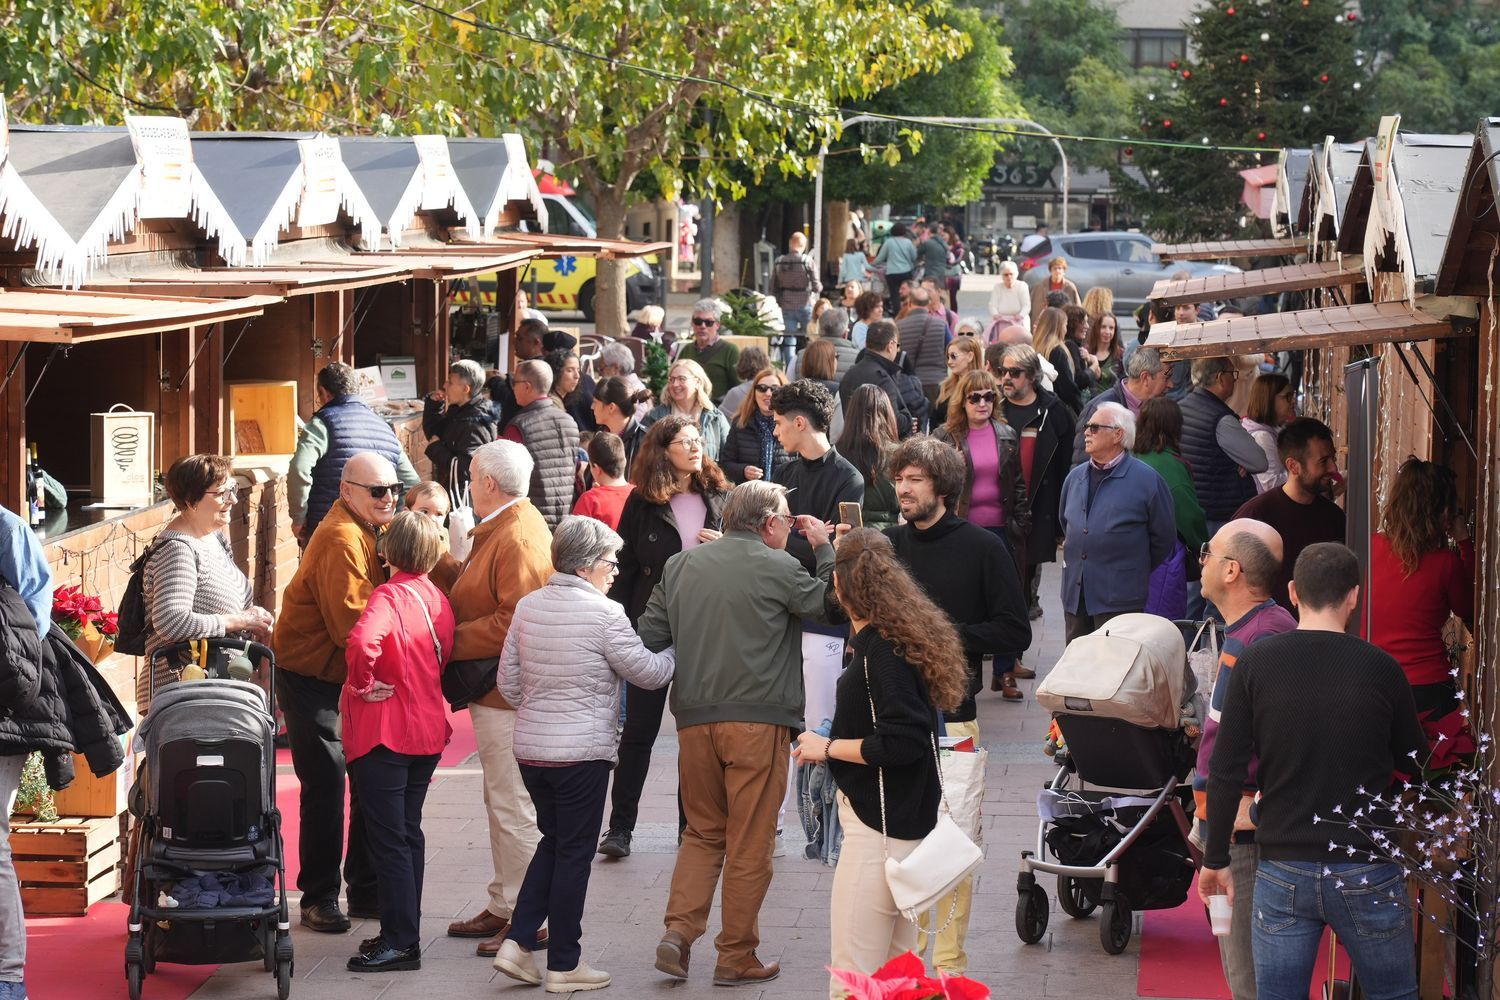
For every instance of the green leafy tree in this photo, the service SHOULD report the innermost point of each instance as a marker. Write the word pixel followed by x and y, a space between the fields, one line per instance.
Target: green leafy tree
pixel 1433 60
pixel 1268 73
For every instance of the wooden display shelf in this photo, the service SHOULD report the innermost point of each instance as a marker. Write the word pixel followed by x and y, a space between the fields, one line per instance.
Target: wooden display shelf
pixel 67 866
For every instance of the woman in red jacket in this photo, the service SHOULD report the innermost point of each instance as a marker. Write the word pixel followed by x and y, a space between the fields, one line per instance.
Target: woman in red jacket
pixel 395 725
pixel 1421 574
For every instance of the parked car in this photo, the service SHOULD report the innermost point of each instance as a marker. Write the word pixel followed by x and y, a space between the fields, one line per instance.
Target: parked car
pixel 1122 262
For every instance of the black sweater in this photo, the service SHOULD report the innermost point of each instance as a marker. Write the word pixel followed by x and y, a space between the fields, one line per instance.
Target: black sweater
pixel 818 486
pixel 968 573
pixel 1330 716
pixel 899 742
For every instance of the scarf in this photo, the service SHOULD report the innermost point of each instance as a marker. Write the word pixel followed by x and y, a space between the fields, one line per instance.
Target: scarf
pixel 765 427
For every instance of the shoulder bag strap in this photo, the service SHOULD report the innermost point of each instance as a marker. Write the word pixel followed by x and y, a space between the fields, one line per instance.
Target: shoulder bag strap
pixel 880 776
pixel 437 647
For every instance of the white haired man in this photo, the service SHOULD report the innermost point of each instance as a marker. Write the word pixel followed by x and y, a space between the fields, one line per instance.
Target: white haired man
pixel 718 357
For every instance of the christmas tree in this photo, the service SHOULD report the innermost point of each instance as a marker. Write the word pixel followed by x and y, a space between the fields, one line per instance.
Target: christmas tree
pixel 1265 73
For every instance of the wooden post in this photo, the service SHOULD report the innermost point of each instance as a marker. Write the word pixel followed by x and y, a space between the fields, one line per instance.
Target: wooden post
pixel 177 421
pixel 426 298
pixel 350 320
pixel 311 355
pixel 328 327
pixel 13 429
pixel 507 287
pixel 207 386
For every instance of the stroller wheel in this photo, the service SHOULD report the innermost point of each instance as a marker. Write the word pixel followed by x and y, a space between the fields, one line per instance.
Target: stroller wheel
pixel 1078 897
pixel 1115 922
pixel 135 978
pixel 1031 914
pixel 283 980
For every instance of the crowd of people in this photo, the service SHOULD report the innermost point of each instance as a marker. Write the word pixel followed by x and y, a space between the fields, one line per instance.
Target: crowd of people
pixel 809 557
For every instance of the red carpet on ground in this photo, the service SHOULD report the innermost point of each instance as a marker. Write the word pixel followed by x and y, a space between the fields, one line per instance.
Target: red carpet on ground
pixel 83 958
pixel 1180 957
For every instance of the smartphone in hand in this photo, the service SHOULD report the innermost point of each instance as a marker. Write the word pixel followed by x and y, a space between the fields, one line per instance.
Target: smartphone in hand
pixel 851 514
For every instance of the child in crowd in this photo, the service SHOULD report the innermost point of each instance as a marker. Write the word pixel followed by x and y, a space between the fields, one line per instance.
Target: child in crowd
pixel 431 499
pixel 606 499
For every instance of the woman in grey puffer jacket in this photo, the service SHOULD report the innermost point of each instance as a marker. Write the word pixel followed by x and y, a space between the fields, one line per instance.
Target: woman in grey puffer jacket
pixel 568 651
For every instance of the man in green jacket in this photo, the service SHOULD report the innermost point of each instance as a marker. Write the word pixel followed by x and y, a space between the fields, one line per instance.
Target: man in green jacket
pixel 733 610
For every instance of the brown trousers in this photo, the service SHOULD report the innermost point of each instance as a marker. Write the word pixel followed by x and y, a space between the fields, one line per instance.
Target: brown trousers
pixel 732 776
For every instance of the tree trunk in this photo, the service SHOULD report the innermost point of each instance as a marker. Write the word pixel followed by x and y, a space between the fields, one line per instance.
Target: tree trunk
pixel 727 248
pixel 609 289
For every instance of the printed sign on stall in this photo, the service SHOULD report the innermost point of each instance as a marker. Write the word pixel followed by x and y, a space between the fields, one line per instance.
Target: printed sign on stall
pixel 165 155
pixel 320 181
pixel 437 171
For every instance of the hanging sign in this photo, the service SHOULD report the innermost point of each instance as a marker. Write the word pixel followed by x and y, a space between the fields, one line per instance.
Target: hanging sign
pixel 164 153
pixel 437 171
pixel 320 181
pixel 1385 142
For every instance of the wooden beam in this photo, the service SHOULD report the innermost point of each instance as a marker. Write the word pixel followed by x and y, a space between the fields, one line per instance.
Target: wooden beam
pixel 507 289
pixel 346 341
pixel 176 424
pixel 208 390
pixel 427 298
pixel 311 356
pixel 13 430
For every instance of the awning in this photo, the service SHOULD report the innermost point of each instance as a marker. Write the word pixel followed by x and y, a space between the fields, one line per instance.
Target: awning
pixel 62 317
pixel 1367 323
pixel 451 261
pixel 1229 248
pixel 1264 281
pixel 401 176
pixel 553 245
pixel 498 180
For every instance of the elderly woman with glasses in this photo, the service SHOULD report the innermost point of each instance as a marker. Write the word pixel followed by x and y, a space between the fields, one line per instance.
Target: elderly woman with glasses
pixel 193 588
pixel 569 650
pixel 457 419
pixel 689 395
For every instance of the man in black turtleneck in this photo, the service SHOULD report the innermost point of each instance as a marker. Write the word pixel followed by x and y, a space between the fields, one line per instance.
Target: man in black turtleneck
pixel 968 572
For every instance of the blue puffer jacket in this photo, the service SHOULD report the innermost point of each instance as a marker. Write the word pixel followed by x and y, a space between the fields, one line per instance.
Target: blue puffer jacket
pixel 352 428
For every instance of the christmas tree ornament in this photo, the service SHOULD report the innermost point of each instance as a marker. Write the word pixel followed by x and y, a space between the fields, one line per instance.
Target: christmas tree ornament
pixel 1244 57
pixel 1307 109
pixel 1230 12
pixel 1166 123
pixel 1172 64
pixel 1187 74
pixel 1223 102
pixel 1260 135
pixel 1356 85
pixel 1265 36
pixel 1323 78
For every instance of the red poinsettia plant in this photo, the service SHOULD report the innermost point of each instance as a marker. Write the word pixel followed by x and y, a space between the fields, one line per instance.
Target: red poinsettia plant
pixel 73 610
pixel 905 978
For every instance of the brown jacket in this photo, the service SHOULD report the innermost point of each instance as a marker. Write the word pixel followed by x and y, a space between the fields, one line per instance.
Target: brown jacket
pixel 511 557
pixel 327 595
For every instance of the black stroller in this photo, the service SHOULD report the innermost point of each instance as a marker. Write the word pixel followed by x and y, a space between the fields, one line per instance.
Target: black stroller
pixel 1116 817
pixel 209 883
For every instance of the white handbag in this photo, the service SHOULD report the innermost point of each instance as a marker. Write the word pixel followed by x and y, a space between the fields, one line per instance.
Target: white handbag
pixel 943 858
pixel 460 519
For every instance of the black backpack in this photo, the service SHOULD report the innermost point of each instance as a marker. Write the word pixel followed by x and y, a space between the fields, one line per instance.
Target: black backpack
pixel 131 638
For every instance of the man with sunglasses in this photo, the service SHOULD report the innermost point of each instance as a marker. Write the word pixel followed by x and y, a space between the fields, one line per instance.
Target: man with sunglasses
pixel 718 357
pixel 319 608
pixel 1146 377
pixel 1118 525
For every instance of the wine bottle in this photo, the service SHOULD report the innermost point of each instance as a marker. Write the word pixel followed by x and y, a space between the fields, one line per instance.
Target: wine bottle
pixel 35 501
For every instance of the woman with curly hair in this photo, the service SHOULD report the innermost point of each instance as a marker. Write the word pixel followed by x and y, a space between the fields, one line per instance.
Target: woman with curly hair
pixel 688 395
pixel 965 354
pixel 677 504
pixel 751 451
pixel 1422 573
pixel 907 665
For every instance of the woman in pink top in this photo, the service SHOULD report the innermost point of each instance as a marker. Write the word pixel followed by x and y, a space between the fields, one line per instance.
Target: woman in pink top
pixel 994 495
pixel 395 725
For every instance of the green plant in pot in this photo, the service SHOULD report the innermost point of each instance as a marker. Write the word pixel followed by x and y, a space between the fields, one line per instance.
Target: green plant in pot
pixel 34 795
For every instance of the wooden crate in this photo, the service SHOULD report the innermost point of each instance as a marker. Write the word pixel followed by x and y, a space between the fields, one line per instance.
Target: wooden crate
pixel 67 866
pixel 262 417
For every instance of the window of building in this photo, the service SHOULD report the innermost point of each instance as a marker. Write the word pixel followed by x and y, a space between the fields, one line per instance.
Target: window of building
pixel 1154 46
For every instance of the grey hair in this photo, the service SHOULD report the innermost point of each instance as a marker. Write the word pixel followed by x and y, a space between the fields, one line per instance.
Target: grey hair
pixel 471 372
pixel 1205 370
pixel 1121 417
pixel 580 542
pixel 971 323
pixel 537 374
pixel 1024 356
pixel 508 463
pixel 712 307
pixel 617 356
pixel 750 503
pixel 833 324
pixel 1143 361
pixel 1009 265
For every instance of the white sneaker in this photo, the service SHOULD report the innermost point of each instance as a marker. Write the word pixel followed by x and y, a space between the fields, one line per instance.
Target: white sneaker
pixel 581 978
pixel 779 848
pixel 517 963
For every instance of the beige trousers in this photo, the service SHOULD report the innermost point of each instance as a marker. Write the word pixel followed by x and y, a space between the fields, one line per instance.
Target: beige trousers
pixel 948 952
pixel 866 929
pixel 512 817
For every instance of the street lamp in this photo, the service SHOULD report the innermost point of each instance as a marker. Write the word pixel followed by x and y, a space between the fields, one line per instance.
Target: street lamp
pixel 817 240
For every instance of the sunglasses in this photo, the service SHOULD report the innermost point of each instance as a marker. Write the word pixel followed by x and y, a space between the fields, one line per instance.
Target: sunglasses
pixel 703 321
pixel 988 396
pixel 1098 428
pixel 767 388
pixel 1013 372
pixel 379 491
pixel 955 356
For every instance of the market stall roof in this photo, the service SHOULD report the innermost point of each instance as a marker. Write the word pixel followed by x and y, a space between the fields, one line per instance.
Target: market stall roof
pixel 445 262
pixel 404 175
pixel 1468 265
pixel 271 181
pixel 553 245
pixel 60 316
pixel 498 180
pixel 1413 212
pixel 1334 166
pixel 69 191
pixel 1229 248
pixel 1366 323
pixel 1263 281
pixel 1291 184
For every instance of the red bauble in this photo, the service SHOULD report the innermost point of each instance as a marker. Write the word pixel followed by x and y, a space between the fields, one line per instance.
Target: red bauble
pixel 1223 102
pixel 1187 74
pixel 1230 12
pixel 1351 16
pixel 1244 57
pixel 1260 135
pixel 1129 150
pixel 1166 123
pixel 1172 64
pixel 1323 78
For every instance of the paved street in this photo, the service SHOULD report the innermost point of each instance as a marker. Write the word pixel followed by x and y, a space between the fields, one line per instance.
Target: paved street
pixel 627 898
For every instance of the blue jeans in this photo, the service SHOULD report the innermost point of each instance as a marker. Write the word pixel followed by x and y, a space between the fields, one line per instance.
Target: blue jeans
pixel 794 322
pixel 1365 905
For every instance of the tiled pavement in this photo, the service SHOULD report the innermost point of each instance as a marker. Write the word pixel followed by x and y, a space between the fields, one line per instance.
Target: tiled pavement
pixel 627 898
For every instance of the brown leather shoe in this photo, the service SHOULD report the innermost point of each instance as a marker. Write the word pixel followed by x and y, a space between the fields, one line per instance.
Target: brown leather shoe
pixel 760 972
pixel 1022 673
pixel 1008 689
pixel 486 924
pixel 490 947
pixel 673 954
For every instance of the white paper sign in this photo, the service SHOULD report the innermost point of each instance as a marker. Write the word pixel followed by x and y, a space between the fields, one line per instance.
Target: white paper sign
pixel 369 387
pixel 165 155
pixel 320 181
pixel 437 171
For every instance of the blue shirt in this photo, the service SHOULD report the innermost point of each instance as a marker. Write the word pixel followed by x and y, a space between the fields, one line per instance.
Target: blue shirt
pixel 23 566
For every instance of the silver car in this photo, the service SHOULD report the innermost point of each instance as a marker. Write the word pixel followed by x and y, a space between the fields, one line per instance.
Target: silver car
pixel 1121 262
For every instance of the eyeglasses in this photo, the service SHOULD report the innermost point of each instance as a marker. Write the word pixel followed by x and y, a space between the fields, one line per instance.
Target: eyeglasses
pixel 690 443
pixel 229 494
pixel 1098 428
pixel 790 520
pixel 1013 372
pixel 1205 554
pixel 378 491
pixel 611 563
pixel 988 396
pixel 677 379
pixel 704 321
pixel 769 388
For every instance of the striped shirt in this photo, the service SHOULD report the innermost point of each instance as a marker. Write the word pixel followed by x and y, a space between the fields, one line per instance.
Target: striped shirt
pixel 190 585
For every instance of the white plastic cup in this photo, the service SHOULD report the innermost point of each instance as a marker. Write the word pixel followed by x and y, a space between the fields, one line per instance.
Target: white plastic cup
pixel 1219 914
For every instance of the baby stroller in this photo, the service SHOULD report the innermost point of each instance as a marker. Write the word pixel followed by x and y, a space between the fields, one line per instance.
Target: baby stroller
pixel 209 883
pixel 1115 819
